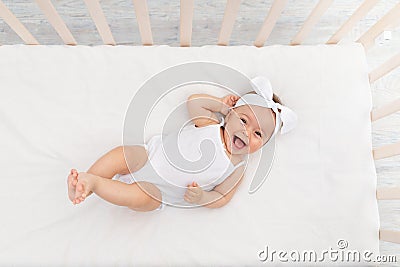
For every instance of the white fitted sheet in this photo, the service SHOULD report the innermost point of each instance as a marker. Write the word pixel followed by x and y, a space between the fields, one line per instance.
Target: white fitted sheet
pixel 63 107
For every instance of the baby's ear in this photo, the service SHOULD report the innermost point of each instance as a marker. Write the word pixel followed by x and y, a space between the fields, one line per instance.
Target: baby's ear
pixel 230 110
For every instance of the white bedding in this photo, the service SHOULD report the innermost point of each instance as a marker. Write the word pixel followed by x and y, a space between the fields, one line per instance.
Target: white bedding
pixel 63 107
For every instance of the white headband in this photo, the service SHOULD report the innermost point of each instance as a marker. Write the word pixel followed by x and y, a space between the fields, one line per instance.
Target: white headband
pixel 263 98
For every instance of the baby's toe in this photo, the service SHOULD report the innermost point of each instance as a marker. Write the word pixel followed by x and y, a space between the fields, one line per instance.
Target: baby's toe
pixel 70 182
pixel 74 173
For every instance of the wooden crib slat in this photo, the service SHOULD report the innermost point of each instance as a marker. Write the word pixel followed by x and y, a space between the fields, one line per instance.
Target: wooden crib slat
pixel 385 68
pixel 312 19
pixel 361 12
pixel 100 21
pixel 56 21
pixel 231 11
pixel 143 20
pixel 16 25
pixel 368 38
pixel 386 151
pixel 186 20
pixel 390 236
pixel 388 193
pixel 269 22
pixel 385 110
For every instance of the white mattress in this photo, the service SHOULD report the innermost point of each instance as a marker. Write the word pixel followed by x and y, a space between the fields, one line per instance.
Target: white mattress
pixel 63 107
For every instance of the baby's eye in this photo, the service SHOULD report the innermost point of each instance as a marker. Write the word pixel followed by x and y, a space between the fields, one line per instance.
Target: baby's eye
pixel 258 133
pixel 243 120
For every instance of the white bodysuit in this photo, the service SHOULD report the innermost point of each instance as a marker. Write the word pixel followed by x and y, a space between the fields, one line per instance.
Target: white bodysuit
pixel 172 172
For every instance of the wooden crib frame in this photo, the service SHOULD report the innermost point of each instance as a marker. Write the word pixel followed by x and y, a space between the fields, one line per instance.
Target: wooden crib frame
pixel 231 10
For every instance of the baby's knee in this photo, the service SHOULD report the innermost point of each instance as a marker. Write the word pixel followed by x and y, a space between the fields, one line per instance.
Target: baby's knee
pixel 149 198
pixel 136 157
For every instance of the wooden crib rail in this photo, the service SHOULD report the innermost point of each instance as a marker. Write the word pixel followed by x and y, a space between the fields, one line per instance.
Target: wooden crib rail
pixel 360 13
pixel 315 15
pixel 386 151
pixel 186 22
pixel 385 193
pixel 270 22
pixel 391 18
pixel 56 21
pixel 385 68
pixel 368 38
pixel 390 236
pixel 231 11
pixel 376 74
pixel 100 21
pixel 143 20
pixel 385 110
pixel 16 25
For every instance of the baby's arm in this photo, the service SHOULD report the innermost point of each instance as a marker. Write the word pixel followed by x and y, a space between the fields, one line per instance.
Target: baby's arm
pixel 202 107
pixel 224 191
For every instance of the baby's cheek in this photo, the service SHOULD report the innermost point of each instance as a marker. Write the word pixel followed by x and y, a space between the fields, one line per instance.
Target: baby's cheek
pixel 254 146
pixel 257 144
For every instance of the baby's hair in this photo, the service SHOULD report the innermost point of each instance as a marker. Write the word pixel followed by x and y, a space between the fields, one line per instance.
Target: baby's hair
pixel 274 97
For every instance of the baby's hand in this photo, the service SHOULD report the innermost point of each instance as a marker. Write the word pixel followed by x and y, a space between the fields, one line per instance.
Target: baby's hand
pixel 194 193
pixel 228 102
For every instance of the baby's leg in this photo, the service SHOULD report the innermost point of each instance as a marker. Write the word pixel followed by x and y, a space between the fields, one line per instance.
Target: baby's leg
pixel 139 196
pixel 113 162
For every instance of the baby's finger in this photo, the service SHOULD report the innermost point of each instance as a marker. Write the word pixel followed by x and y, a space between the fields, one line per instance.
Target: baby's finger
pixel 187 199
pixel 191 193
pixel 193 189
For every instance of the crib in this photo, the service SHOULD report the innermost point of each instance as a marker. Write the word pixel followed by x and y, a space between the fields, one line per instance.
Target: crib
pixel 41 232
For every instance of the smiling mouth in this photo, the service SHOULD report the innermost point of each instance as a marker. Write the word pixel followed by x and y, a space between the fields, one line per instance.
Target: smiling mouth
pixel 238 143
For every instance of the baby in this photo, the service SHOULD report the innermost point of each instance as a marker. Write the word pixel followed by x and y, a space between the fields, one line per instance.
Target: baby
pixel 250 122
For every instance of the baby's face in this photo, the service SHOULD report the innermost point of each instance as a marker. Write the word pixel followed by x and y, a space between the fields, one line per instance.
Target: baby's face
pixel 248 128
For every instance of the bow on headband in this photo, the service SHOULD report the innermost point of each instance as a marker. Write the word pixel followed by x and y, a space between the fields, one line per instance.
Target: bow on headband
pixel 264 98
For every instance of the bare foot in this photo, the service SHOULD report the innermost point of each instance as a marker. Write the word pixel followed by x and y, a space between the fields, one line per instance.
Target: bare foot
pixel 84 186
pixel 72 181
